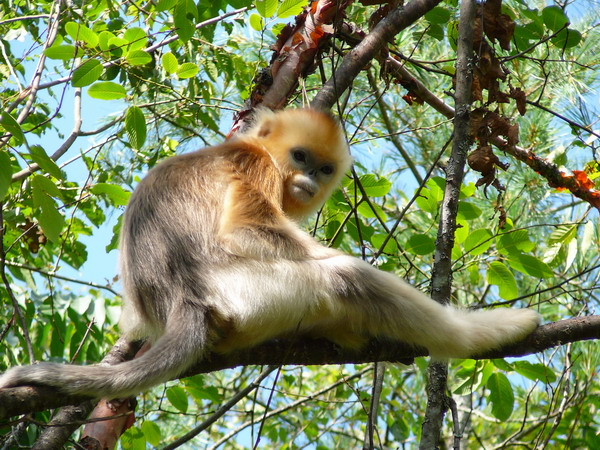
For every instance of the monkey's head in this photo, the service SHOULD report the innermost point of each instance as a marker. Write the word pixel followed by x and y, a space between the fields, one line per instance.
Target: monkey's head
pixel 310 150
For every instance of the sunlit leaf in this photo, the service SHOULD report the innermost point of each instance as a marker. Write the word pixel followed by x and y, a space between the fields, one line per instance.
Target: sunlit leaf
pixel 152 433
pixel 117 195
pixel 87 72
pixel 104 40
pixel 498 274
pixel 535 372
pixel 266 8
pixel 256 22
pixel 187 70
pixel 10 125
pixel 478 241
pixel 136 37
pixel 530 265
pixel 290 8
pixel 5 174
pixel 82 33
pixel 178 398
pixel 39 156
pixel 107 90
pixel 169 62
pixel 63 52
pixel 138 57
pixel 135 125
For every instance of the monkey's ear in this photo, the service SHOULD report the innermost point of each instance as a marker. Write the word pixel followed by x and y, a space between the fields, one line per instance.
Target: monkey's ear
pixel 266 127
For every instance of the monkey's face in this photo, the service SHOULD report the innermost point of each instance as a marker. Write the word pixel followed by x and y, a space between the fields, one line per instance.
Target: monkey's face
pixel 308 175
pixel 309 149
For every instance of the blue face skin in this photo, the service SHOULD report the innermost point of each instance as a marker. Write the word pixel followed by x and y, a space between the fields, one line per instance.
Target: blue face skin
pixel 313 174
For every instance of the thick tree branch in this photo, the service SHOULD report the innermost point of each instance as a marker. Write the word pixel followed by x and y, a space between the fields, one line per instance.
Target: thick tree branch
pixel 22 400
pixel 370 46
pixel 441 275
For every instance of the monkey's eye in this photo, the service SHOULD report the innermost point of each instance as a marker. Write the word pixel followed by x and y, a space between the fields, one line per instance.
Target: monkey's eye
pixel 327 170
pixel 299 155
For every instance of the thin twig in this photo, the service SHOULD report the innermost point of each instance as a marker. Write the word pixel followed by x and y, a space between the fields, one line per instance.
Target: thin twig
pixel 11 294
pixel 222 410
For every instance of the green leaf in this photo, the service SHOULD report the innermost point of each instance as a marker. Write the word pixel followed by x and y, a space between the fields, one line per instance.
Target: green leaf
pixel 117 42
pixel 420 244
pixel 187 70
pixel 468 211
pixel 514 242
pixel 452 33
pixel 138 57
pixel 87 72
pixel 478 241
pixel 290 8
pixel 436 31
pixel 5 174
pixel 554 18
pixel 502 365
pixel 499 275
pixel 371 211
pixel 501 396
pixel 164 5
pixel 82 33
pixel 438 15
pixel 178 398
pixel 115 193
pixel 10 125
pixel 136 37
pixel 169 62
pixel 152 433
pixel 467 190
pixel 567 38
pixel 588 236
pixel 462 232
pixel 530 265
pixel 535 371
pixel 63 52
pixel 107 90
pixel 38 155
pixel 211 69
pixel 257 22
pixel 266 8
pixel 562 234
pixel 51 221
pixel 390 247
pixel 46 185
pixel 184 26
pixel 104 40
pixel 135 125
pixel 375 186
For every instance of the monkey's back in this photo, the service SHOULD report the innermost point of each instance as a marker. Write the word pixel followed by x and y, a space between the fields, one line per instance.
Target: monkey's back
pixel 168 234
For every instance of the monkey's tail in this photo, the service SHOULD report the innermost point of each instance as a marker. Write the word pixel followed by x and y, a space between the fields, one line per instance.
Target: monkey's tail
pixel 171 354
pixel 465 333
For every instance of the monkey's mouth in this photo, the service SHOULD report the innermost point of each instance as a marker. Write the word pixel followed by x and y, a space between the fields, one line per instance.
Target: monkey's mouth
pixel 302 191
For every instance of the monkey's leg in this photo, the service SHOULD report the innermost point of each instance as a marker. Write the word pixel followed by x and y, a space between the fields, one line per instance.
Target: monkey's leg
pixel 381 304
pixel 343 296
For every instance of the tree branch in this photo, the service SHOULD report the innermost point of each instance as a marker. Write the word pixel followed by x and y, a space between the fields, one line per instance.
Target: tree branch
pixel 369 47
pixel 23 400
